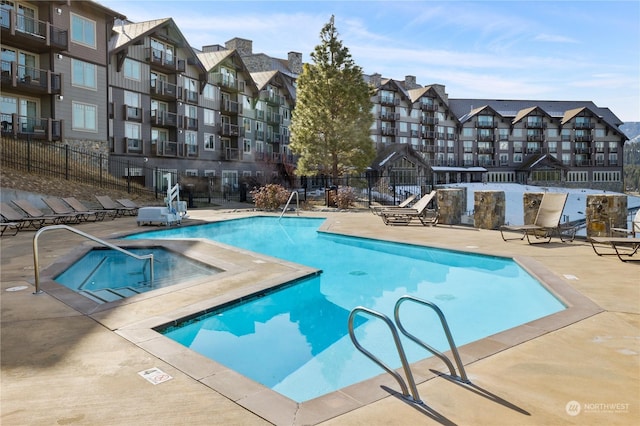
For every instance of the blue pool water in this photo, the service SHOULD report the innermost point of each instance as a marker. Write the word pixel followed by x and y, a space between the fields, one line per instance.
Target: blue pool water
pixel 295 340
pixel 105 275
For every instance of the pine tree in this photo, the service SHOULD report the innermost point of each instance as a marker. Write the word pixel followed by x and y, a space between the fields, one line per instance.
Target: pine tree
pixel 331 121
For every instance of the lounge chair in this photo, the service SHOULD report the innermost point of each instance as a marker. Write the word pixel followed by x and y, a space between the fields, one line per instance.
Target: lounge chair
pixel 59 207
pixel 14 216
pixel 635 227
pixel 77 206
pixel 547 222
pixel 130 205
pixel 36 213
pixel 5 226
pixel 108 204
pixel 403 216
pixel 623 247
pixel 377 209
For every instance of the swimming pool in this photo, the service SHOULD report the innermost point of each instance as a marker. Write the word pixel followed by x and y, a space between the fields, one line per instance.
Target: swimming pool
pixel 105 275
pixel 300 331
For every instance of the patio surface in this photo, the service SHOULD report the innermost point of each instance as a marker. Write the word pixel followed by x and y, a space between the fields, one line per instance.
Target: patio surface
pixel 65 362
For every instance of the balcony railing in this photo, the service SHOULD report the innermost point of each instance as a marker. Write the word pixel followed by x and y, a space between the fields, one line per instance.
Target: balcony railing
pixel 428 107
pixel 388 131
pixel 229 130
pixel 31 127
pixel 485 124
pixel 165 59
pixel 231 107
pixel 133 146
pixel 33 34
pixel 132 113
pixel 271 98
pixel 389 100
pixel 389 116
pixel 164 118
pixel 163 89
pixel 535 125
pixel 190 123
pixel 31 80
pixel 583 138
pixel 274 118
pixel 164 148
pixel 191 96
pixel 228 82
pixel 583 125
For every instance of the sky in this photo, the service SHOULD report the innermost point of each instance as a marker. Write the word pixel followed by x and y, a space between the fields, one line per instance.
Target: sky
pixel 511 49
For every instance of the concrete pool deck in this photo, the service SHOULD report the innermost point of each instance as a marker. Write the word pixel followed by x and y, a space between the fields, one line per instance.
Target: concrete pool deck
pixel 63 363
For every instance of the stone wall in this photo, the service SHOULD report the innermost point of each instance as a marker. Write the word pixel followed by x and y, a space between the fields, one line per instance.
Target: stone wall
pixel 605 211
pixel 489 209
pixel 531 203
pixel 451 205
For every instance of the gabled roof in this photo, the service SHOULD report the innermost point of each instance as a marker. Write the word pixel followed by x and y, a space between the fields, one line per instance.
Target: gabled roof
pixel 210 60
pixel 477 111
pixel 261 79
pixel 394 152
pixel 541 161
pixel 391 84
pixel 129 33
pixel 572 113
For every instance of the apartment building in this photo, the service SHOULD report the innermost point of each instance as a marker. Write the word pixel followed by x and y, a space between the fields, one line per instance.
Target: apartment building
pixel 548 143
pixel 54 70
pixel 81 74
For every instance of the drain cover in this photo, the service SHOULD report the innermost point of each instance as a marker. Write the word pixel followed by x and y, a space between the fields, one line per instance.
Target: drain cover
pixel 18 288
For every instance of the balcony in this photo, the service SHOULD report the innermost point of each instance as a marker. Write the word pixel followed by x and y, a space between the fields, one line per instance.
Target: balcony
pixel 389 116
pixel 274 118
pixel 485 137
pixel 228 129
pixel 583 138
pixel 428 107
pixel 228 82
pixel 190 96
pixel 30 80
pixel 165 60
pixel 31 127
pixel 32 34
pixel 232 154
pixel 389 100
pixel 165 90
pixel 164 118
pixel 133 146
pixel 274 138
pixel 231 107
pixel 535 125
pixel 271 98
pixel 429 134
pixel 164 148
pixel 132 113
pixel 485 124
pixel 583 125
pixel 428 120
pixel 388 131
pixel 189 123
pixel 533 137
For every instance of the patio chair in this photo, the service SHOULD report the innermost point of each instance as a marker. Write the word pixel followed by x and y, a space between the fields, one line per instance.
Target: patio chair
pixel 377 209
pixel 546 223
pixel 108 204
pixel 635 227
pixel 12 215
pixel 49 219
pixel 77 206
pixel 403 216
pixel 132 206
pixel 623 247
pixel 59 207
pixel 5 226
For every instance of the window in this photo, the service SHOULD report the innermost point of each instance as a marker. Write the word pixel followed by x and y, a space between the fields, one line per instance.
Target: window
pixel 553 146
pixel 247 146
pixel 467 132
pixel 517 133
pixel 209 92
pixel 132 133
pixel 132 99
pixel 600 133
pixel 191 172
pixel 504 146
pixel 246 122
pixel 191 142
pixel 209 142
pixel 83 74
pixel 132 70
pixel 84 117
pixel 83 31
pixel 209 117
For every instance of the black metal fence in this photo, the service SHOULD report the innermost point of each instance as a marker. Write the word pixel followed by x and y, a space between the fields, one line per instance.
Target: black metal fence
pixel 60 161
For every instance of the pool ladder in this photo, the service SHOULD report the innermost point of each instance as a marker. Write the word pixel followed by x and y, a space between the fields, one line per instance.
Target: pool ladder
pixel 414 397
pixel 36 260
pixel 289 202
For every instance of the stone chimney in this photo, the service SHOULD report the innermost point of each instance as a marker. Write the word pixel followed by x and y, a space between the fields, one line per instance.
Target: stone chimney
pixel 376 79
pixel 410 82
pixel 243 46
pixel 295 62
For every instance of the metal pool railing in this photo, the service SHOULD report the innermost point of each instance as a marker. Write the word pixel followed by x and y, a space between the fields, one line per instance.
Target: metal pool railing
pixel 36 261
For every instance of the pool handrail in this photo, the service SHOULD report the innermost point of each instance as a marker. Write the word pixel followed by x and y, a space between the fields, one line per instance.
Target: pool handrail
pixel 36 261
pixel 462 374
pixel 289 201
pixel 414 397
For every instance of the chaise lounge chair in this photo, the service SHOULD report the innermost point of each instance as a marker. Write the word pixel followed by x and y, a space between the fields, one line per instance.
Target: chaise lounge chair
pixel 403 216
pixel 77 206
pixel 5 226
pixel 547 222
pixel 635 227
pixel 108 204
pixel 623 247
pixel 58 207
pixel 130 205
pixel 23 221
pixel 377 209
pixel 36 213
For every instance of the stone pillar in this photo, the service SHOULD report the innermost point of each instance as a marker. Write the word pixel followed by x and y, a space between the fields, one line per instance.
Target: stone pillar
pixel 450 206
pixel 531 204
pixel 605 211
pixel 489 209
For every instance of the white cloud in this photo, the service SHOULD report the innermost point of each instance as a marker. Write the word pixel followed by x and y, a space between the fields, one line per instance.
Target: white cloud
pixel 552 38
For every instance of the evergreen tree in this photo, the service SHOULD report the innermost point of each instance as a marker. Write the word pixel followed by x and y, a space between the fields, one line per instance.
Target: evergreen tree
pixel 330 123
